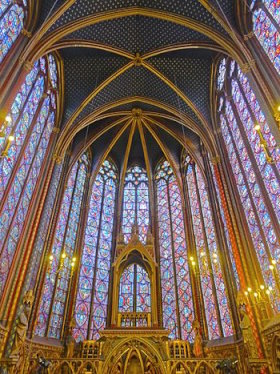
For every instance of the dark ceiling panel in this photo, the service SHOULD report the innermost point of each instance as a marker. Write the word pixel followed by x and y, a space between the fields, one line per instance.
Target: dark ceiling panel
pixel 191 75
pixel 137 81
pixel 192 9
pixel 137 34
pixel 46 9
pixel 83 73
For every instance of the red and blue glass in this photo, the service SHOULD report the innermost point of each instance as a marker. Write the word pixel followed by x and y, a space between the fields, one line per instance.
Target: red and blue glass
pixel 32 119
pixel 136 203
pixel 92 295
pixel 177 301
pixel 12 15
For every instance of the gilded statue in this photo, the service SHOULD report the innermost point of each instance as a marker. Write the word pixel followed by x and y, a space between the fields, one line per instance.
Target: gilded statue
pixel 246 328
pixel 70 341
pixel 22 324
pixel 198 345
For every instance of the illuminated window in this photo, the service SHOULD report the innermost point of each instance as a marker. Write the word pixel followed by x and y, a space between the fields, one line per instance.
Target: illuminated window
pixel 266 21
pixel 12 15
pixel 255 161
pixel 92 296
pixel 58 278
pixel 24 145
pixel 136 203
pixel 177 304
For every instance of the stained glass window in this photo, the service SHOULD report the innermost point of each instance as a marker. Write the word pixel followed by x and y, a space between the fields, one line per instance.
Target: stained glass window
pixel 266 21
pixel 136 203
pixel 24 145
pixel 92 296
pixel 12 15
pixel 59 272
pixel 177 305
pixel 211 276
pixel 251 148
pixel 135 290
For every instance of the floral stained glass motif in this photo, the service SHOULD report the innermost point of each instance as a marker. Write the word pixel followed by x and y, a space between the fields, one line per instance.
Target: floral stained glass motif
pixel 135 290
pixel 59 272
pixel 177 302
pixel 211 276
pixel 266 20
pixel 12 16
pixel 31 123
pixel 92 296
pixel 136 203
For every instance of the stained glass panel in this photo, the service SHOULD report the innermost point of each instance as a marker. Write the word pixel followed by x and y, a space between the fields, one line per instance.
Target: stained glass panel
pixel 31 121
pixel 11 24
pixel 177 301
pixel 92 296
pixel 136 203
pixel 267 33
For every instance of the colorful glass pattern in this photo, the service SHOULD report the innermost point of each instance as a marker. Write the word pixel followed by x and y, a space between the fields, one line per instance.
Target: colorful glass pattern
pixel 136 203
pixel 246 133
pixel 208 256
pixel 252 201
pixel 31 123
pixel 92 296
pixel 135 290
pixel 266 21
pixel 58 275
pixel 11 24
pixel 177 302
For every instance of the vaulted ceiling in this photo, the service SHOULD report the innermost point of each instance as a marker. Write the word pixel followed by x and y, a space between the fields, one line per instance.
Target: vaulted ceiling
pixel 122 55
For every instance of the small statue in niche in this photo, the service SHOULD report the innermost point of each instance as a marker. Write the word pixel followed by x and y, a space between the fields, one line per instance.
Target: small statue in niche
pixel 245 325
pixel 70 341
pixel 197 345
pixel 22 325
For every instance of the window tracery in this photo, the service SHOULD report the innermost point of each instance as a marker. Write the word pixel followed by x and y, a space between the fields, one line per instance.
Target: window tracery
pixel 59 273
pixel 136 203
pixel 211 275
pixel 12 16
pixel 135 290
pixel 177 303
pixel 93 286
pixel 26 135
pixel 254 157
pixel 266 20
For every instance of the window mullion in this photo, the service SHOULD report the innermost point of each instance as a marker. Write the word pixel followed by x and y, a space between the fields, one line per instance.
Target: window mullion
pixel 270 16
pixel 62 249
pixel 96 258
pixel 173 262
pixel 23 190
pixel 208 254
pixel 21 153
pixel 267 250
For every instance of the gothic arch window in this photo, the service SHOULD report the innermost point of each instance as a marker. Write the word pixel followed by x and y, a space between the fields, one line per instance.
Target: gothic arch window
pixel 62 258
pixel 255 161
pixel 135 290
pixel 136 203
pixel 24 142
pixel 12 16
pixel 266 21
pixel 213 287
pixel 92 295
pixel 176 290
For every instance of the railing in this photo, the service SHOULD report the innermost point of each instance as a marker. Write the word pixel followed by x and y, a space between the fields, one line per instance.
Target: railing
pixel 134 319
pixel 91 349
pixel 178 349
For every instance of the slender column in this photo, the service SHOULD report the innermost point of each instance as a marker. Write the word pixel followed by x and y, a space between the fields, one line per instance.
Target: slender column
pixel 221 242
